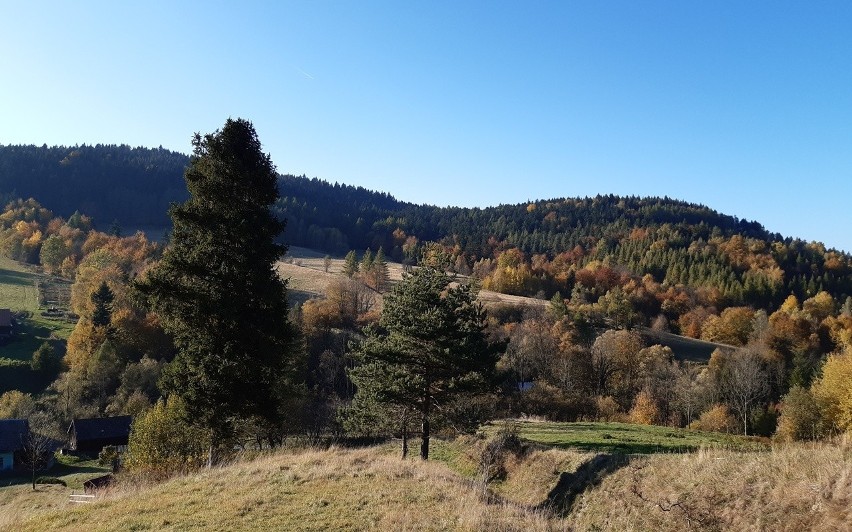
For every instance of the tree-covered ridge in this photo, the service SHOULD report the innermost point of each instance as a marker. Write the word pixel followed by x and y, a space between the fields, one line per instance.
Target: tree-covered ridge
pixel 107 182
pixel 534 248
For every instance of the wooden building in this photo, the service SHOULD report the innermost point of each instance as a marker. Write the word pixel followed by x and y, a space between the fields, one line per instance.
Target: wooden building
pixel 90 436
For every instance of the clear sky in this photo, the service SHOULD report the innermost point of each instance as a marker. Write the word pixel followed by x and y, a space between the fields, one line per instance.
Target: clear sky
pixel 743 106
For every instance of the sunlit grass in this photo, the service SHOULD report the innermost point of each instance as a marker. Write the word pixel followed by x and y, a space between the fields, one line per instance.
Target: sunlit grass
pixel 627 438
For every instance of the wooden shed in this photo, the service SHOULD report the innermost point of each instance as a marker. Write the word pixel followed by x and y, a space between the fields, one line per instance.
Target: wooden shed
pixel 92 435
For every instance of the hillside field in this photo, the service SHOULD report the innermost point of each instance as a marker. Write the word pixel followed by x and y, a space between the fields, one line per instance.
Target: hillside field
pixel 792 487
pixel 18 292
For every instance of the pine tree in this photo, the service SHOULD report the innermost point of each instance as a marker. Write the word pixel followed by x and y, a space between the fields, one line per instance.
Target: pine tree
pixel 216 289
pixel 350 264
pixel 429 346
pixel 102 299
pixel 366 261
pixel 379 271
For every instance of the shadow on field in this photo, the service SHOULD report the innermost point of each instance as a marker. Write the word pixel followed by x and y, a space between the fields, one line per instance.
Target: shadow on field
pixel 590 473
pixel 15 278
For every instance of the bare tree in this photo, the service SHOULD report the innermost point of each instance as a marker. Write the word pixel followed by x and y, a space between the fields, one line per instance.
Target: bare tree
pixel 744 381
pixel 37 446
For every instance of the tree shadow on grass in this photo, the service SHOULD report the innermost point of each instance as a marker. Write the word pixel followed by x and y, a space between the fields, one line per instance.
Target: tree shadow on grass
pixel 12 277
pixel 591 473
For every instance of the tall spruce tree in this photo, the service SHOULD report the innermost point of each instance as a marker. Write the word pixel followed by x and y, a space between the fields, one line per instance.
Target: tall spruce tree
pixel 216 289
pixel 350 264
pixel 429 347
pixel 102 299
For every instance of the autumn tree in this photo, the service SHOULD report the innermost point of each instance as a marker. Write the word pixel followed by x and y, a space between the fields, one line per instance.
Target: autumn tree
pixel 429 346
pixel 744 382
pixel 833 391
pixel 216 288
pixel 165 442
pixel 615 367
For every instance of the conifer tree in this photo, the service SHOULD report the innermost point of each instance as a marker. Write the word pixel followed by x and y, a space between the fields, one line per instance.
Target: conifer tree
pixel 102 299
pixel 366 261
pixel 379 271
pixel 429 346
pixel 350 264
pixel 216 289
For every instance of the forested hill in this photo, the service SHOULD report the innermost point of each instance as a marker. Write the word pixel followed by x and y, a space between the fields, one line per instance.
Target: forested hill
pixel 106 182
pixel 583 245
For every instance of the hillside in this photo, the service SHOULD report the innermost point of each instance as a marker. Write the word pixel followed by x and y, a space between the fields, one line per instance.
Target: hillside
pixel 731 261
pixel 791 488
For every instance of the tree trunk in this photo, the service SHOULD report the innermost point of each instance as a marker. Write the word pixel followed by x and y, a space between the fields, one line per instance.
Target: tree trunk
pixel 405 440
pixel 424 444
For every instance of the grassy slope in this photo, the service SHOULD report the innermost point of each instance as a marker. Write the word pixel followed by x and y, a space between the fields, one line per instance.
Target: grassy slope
pixel 18 292
pixel 308 279
pixel 313 490
pixel 796 487
pixel 628 438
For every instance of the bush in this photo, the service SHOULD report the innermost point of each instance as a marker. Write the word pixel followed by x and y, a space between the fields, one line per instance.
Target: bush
pixel 608 409
pixel 763 421
pixel 163 443
pixel 108 455
pixel 544 399
pixel 644 411
pixel 50 480
pixel 800 416
pixel 717 419
pixel 492 460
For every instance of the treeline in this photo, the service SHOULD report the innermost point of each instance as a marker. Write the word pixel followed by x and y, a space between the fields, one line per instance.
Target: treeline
pixel 133 186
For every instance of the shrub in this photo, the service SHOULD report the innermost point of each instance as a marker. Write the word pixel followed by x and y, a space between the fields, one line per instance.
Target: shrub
pixel 50 480
pixel 108 455
pixel 163 443
pixel 644 411
pixel 717 419
pixel 608 409
pixel 492 460
pixel 800 416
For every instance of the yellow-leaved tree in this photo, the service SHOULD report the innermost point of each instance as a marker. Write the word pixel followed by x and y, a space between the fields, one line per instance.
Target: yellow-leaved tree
pixel 163 443
pixel 833 391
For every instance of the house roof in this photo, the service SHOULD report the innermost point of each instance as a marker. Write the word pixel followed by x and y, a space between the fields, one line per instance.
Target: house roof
pixel 5 317
pixel 13 432
pixel 101 427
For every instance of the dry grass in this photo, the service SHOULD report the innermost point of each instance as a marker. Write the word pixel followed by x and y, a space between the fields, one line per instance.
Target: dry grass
pixel 313 490
pixel 791 487
pixel 308 279
pixel 794 487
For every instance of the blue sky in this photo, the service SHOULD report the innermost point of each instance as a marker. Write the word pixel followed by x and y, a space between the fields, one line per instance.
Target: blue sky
pixel 743 106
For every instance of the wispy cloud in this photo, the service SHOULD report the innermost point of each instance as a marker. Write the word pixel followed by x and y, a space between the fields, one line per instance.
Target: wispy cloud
pixel 308 76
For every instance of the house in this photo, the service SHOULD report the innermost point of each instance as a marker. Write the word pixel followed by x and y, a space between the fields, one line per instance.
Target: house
pixel 90 436
pixel 13 435
pixel 5 323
